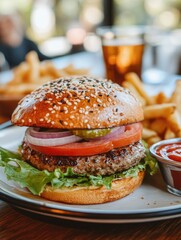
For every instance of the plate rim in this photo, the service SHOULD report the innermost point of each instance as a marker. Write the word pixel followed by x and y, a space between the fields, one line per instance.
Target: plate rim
pixel 68 207
pixel 80 216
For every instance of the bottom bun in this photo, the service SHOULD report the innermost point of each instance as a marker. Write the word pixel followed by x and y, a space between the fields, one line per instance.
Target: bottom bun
pixel 94 195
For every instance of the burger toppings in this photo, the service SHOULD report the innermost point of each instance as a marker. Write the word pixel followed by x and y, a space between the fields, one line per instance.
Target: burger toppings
pixel 120 137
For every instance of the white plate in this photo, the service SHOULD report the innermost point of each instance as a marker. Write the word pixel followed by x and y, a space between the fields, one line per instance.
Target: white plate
pixel 148 203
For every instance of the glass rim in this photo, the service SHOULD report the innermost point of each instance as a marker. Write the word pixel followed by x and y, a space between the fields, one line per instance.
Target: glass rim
pixel 118 30
pixel 143 31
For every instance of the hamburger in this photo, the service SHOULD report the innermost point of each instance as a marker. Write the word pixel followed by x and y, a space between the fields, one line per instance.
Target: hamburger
pixel 82 144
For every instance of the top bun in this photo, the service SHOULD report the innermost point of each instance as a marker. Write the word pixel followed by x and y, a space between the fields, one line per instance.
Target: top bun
pixel 78 102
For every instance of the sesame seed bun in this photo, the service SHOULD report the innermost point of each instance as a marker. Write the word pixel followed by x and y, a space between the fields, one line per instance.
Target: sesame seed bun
pixel 94 195
pixel 78 102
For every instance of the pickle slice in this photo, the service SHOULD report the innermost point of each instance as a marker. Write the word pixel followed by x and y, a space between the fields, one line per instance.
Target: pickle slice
pixel 93 133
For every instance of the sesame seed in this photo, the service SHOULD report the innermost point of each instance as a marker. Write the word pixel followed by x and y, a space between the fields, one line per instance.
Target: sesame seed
pixel 81 110
pixel 92 95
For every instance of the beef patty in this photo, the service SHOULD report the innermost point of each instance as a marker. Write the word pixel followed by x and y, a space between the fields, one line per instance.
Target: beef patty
pixel 114 161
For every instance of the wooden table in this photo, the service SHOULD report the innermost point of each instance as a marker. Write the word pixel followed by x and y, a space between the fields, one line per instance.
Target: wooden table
pixel 15 225
pixel 3 119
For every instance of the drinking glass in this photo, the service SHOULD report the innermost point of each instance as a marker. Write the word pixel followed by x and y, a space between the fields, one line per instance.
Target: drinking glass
pixel 123 49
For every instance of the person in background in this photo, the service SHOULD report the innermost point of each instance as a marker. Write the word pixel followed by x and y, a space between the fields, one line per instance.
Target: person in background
pixel 14 45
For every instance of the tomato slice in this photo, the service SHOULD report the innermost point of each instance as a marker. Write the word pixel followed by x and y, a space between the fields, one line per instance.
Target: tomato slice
pixel 75 149
pixel 132 134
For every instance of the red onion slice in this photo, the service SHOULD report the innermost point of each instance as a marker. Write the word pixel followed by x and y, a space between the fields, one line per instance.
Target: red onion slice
pixel 34 132
pixel 56 138
pixel 50 141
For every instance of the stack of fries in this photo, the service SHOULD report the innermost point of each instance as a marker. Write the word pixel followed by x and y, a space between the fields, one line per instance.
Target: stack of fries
pixel 32 73
pixel 162 114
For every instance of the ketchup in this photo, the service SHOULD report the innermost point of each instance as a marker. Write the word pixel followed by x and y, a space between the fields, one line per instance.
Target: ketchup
pixel 172 152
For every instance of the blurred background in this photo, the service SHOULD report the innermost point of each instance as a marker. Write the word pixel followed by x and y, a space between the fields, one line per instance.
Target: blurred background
pixel 61 27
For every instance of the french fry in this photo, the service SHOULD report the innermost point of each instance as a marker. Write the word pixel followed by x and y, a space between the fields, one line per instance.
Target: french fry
pixel 51 70
pixel 136 82
pixel 176 96
pixel 161 98
pixel 153 140
pixel 158 125
pixel 162 114
pixel 146 123
pixel 43 69
pixel 33 61
pixel 31 74
pixel 129 86
pixel 174 122
pixel 169 134
pixel 147 133
pixel 20 73
pixel 21 89
pixel 179 134
pixel 71 70
pixel 159 110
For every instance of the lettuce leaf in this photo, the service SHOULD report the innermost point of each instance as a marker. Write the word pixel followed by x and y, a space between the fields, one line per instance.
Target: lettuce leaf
pixel 150 162
pixel 21 172
pixel 36 180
